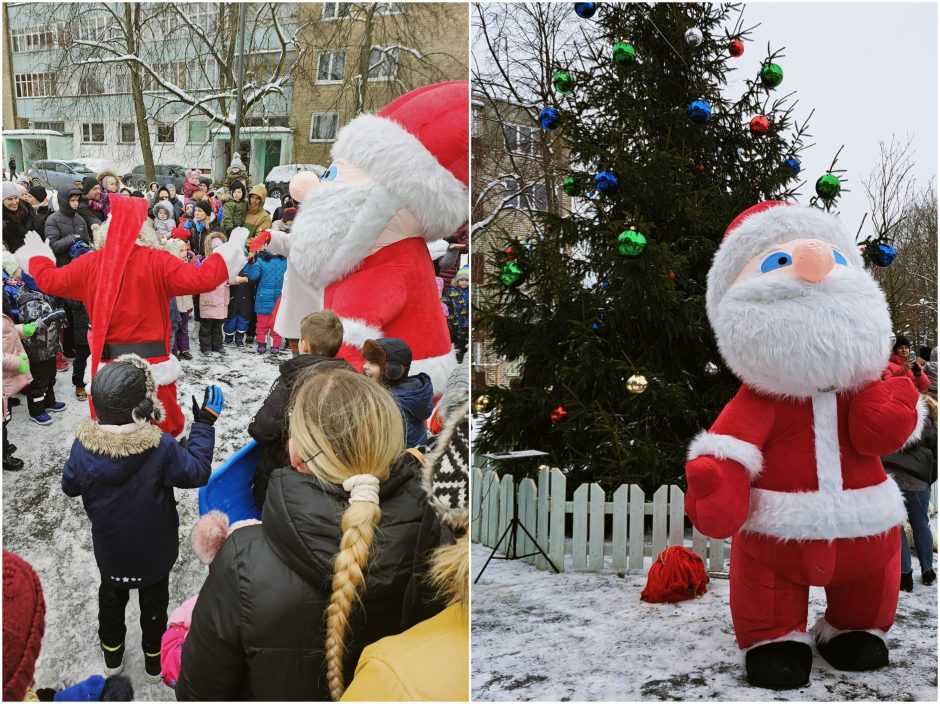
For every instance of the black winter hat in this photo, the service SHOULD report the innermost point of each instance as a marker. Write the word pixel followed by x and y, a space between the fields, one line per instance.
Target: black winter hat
pixel 391 354
pixel 900 341
pixel 124 391
pixel 238 184
pixel 205 207
pixel 39 193
pixel 88 183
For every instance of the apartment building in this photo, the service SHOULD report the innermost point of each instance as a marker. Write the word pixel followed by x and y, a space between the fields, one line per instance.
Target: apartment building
pixel 360 56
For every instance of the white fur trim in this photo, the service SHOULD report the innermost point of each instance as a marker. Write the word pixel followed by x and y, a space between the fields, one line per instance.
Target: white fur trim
pixel 727 447
pixel 817 515
pixel 279 244
pixel 921 421
pixel 164 373
pixel 825 631
pixel 763 231
pixel 396 158
pixel 438 368
pixel 33 246
pixel 826 435
pixel 233 251
pixel 356 332
pixel 796 636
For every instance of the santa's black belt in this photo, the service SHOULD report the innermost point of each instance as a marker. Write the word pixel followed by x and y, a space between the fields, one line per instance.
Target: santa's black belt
pixel 141 349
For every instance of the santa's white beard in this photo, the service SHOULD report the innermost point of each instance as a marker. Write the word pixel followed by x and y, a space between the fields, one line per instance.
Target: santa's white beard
pixel 785 337
pixel 336 226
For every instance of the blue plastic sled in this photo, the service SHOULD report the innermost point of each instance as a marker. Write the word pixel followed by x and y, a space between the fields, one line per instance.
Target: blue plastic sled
pixel 229 487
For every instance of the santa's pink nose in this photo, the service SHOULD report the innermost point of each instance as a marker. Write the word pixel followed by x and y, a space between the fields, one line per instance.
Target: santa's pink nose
pixel 813 260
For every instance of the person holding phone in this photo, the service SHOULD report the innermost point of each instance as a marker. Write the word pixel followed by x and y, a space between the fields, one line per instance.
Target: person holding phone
pixel 902 362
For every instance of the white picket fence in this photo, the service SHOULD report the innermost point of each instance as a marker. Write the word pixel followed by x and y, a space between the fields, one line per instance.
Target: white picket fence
pixel 543 509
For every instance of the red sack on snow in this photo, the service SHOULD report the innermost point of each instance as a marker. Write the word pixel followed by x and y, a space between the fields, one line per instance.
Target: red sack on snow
pixel 678 574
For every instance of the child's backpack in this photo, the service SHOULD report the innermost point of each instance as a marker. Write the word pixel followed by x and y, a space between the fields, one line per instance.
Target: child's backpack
pixel 676 575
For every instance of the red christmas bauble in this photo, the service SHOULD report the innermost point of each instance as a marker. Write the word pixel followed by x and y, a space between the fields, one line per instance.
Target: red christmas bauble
pixel 672 275
pixel 760 125
pixel 559 415
pixel 700 167
pixel 736 48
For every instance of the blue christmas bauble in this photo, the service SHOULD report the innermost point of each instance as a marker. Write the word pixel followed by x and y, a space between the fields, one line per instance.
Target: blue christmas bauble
pixel 883 255
pixel 585 10
pixel 699 112
pixel 607 182
pixel 595 326
pixel 549 118
pixel 793 164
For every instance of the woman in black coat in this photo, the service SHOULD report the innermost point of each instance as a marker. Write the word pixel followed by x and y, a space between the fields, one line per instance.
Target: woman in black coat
pixel 289 604
pixel 17 222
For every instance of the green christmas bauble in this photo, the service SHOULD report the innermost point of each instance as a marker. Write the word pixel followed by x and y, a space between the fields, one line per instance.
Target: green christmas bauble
pixel 624 54
pixel 512 274
pixel 631 243
pixel 771 75
pixel 828 186
pixel 563 82
pixel 570 186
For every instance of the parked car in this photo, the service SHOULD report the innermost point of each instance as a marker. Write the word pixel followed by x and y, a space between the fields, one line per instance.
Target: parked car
pixel 54 174
pixel 166 173
pixel 279 177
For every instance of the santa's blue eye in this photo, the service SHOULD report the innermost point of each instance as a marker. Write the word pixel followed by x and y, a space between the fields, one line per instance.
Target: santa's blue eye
pixel 776 260
pixel 839 258
pixel 330 174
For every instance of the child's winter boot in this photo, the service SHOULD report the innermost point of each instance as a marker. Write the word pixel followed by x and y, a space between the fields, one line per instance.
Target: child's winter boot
pixel 80 393
pixel 152 667
pixel 228 337
pixel 240 338
pixel 113 659
pixel 262 348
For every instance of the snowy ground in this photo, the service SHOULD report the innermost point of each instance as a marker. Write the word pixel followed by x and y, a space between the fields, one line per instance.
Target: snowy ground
pixel 587 636
pixel 52 532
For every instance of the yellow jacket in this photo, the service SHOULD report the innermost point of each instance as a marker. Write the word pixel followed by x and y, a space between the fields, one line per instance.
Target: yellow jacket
pixel 428 662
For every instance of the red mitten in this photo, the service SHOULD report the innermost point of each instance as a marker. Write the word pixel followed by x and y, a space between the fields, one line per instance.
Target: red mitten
pixel 718 495
pixel 883 416
pixel 180 233
pixel 260 240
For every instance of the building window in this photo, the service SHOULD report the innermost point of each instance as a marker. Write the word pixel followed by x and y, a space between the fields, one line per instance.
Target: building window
pixel 331 66
pixel 93 133
pixel 203 14
pixel 522 139
pixel 54 126
pixel 474 116
pixel 198 132
pixel 90 84
pixel 532 196
pixel 93 29
pixel 383 64
pixel 323 126
pixel 34 85
pixel 166 133
pixel 335 10
pixel 33 38
pixel 175 72
pixel 390 8
pixel 128 133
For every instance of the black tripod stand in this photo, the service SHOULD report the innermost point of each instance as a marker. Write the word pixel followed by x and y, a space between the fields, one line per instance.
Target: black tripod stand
pixel 512 532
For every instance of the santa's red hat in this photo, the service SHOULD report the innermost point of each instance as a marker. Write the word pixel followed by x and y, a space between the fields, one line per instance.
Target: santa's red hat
pixel 763 226
pixel 417 146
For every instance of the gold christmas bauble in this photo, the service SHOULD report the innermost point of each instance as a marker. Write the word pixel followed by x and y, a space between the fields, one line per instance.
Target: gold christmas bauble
pixel 637 384
pixel 482 404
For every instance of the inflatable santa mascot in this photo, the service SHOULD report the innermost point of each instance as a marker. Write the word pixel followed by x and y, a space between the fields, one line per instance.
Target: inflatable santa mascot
pixel 791 468
pixel 358 246
pixel 127 286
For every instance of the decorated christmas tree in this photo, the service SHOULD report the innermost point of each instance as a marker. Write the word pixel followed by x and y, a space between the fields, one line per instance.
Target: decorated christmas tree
pixel 604 307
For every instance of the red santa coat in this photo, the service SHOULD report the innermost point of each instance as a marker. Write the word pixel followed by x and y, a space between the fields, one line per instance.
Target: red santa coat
pixel 800 484
pixel 392 293
pixel 141 313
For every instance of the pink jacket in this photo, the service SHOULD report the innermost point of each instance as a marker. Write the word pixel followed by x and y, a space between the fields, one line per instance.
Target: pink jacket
pixel 214 304
pixel 13 380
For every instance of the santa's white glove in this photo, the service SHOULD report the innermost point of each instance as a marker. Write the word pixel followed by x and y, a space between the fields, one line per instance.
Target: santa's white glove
pixel 33 246
pixel 233 251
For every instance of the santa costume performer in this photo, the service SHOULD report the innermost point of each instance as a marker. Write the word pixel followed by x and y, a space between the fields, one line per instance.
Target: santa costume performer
pixel 127 287
pixel 792 465
pixel 358 246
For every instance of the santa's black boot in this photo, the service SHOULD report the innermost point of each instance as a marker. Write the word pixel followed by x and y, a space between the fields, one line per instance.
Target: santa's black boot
pixel 855 651
pixel 784 664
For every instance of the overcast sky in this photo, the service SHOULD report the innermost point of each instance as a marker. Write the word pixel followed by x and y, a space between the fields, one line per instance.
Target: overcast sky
pixel 868 69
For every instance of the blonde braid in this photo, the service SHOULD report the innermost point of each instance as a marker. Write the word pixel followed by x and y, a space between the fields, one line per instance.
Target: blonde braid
pixel 358 526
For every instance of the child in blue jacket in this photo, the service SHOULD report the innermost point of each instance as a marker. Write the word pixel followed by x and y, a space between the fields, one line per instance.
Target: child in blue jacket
pixel 124 468
pixel 268 270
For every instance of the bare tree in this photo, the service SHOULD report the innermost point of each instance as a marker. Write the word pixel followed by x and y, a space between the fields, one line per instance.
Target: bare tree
pixel 890 186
